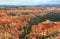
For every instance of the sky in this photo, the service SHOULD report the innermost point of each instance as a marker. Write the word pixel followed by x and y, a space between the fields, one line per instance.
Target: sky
pixel 28 2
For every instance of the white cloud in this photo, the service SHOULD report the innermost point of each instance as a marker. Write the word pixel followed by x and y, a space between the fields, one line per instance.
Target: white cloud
pixel 54 2
pixel 28 2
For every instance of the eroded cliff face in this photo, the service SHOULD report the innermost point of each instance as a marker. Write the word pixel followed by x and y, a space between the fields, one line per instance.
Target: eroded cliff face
pixel 45 30
pixel 30 23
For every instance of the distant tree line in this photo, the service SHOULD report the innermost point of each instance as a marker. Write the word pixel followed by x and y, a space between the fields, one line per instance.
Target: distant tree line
pixel 50 16
pixel 53 16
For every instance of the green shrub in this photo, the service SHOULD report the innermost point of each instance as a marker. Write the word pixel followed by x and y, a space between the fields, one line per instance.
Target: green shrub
pixel 53 16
